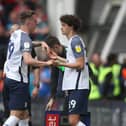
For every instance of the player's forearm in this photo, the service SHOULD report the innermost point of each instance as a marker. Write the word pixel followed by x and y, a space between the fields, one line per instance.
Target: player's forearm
pixel 36 76
pixel 78 64
pixel 71 65
pixel 53 90
pixel 36 62
pixel 27 58
pixel 36 43
pixel 61 59
pixel 42 44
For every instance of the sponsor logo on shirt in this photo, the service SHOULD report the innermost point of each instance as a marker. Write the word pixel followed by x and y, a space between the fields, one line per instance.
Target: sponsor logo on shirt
pixel 26 45
pixel 78 48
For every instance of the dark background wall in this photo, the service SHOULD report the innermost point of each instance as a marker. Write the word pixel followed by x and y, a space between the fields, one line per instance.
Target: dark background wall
pixel 83 10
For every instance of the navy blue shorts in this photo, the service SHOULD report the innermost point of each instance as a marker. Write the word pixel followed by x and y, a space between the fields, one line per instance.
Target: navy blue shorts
pixel 18 94
pixel 78 101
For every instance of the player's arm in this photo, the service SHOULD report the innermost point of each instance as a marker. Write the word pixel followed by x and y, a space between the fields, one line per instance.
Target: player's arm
pixel 36 72
pixel 79 64
pixel 54 56
pixel 26 48
pixel 78 51
pixel 40 43
pixel 36 81
pixel 53 84
pixel 36 43
pixel 61 59
pixel 31 61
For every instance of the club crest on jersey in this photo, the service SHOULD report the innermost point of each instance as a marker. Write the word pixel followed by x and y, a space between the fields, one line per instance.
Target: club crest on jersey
pixel 78 48
pixel 26 45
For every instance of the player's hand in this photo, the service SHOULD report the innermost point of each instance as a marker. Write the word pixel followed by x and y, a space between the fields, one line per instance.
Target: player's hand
pixel 52 55
pixel 45 46
pixel 35 92
pixel 56 63
pixel 50 104
pixel 36 82
pixel 49 62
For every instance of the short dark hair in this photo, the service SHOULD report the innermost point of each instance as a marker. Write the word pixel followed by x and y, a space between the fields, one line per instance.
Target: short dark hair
pixel 71 20
pixel 25 15
pixel 112 58
pixel 52 40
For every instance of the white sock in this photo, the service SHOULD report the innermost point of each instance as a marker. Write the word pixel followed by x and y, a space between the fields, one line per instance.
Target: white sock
pixel 11 121
pixel 23 122
pixel 80 124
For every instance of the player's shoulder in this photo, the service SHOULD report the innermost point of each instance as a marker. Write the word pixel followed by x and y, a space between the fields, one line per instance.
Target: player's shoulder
pixel 76 38
pixel 21 33
pixel 15 35
pixel 75 41
pixel 25 37
pixel 17 32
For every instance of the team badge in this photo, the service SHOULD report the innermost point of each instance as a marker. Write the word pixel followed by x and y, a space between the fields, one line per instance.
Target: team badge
pixel 78 48
pixel 26 45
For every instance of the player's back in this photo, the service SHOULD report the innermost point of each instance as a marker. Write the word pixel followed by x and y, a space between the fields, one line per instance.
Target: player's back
pixel 15 68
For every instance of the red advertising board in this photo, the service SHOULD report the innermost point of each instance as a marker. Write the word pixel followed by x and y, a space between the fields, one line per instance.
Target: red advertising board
pixel 52 119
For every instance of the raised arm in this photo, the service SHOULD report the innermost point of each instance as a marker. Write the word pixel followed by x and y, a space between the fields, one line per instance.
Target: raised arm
pixel 31 61
pixel 40 43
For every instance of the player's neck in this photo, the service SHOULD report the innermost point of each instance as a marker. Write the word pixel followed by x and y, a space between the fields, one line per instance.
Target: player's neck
pixel 71 34
pixel 24 28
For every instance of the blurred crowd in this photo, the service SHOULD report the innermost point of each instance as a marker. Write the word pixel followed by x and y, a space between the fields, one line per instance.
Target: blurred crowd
pixel 107 80
pixel 9 15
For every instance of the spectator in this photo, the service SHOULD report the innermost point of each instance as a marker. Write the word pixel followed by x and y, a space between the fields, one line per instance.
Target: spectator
pixel 3 49
pixel 123 80
pixel 94 67
pixel 8 7
pixel 13 19
pixel 2 14
pixel 32 4
pixel 109 78
pixel 21 6
pixel 42 29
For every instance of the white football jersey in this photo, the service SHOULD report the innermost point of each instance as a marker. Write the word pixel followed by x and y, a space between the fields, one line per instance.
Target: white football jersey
pixel 73 78
pixel 14 67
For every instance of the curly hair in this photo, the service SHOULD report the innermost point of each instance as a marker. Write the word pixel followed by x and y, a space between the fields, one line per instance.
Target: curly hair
pixel 71 20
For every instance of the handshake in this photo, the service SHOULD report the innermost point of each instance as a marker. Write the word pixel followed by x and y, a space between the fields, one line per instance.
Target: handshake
pixel 43 50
